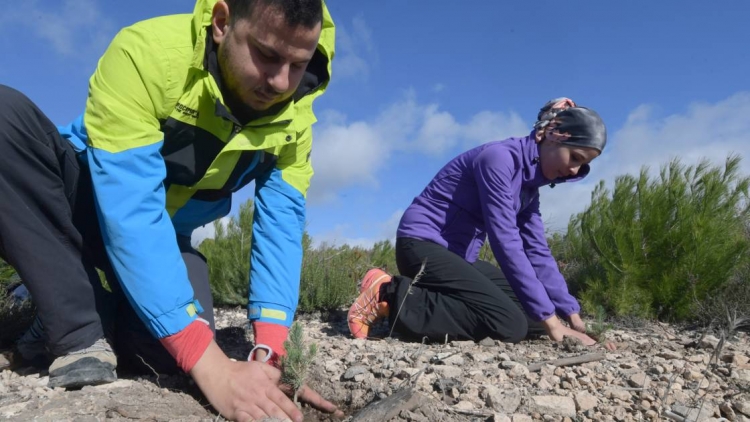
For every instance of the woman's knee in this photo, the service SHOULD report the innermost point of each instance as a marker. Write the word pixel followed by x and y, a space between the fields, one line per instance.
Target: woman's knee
pixel 511 325
pixel 518 329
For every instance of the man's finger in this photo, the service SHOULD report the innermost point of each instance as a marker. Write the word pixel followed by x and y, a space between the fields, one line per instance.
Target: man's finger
pixel 243 416
pixel 283 404
pixel 254 414
pixel 311 397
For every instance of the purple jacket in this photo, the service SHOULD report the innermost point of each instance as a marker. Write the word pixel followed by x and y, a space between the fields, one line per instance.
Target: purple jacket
pixel 493 191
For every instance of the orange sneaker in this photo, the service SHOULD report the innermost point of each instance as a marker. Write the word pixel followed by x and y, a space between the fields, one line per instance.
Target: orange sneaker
pixel 372 276
pixel 368 309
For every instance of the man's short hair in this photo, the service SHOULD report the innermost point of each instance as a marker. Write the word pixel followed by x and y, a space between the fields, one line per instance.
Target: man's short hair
pixel 306 13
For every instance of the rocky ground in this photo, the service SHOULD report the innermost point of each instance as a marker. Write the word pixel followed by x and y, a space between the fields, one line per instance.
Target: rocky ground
pixel 659 372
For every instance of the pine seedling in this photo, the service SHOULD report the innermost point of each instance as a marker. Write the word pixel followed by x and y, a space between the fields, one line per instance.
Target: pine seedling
pixel 296 364
pixel 598 329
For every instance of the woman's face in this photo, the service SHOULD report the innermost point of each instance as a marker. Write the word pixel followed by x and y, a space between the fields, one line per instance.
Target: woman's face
pixel 559 160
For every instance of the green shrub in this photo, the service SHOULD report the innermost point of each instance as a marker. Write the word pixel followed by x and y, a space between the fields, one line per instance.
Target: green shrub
pixel 329 273
pixel 14 318
pixel 655 246
pixel 228 255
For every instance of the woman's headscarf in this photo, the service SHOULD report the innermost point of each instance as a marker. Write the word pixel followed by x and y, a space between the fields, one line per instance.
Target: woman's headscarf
pixel 563 121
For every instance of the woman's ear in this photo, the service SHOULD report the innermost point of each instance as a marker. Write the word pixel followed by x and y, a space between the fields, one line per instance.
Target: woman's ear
pixel 539 135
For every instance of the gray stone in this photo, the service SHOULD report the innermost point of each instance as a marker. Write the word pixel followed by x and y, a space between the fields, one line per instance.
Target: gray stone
pixel 742 375
pixel 727 411
pixel 694 413
pixel 709 342
pixel 670 355
pixel 518 371
pixel 639 380
pixel 585 401
pixel 487 342
pixel 352 372
pixel 501 400
pixel 447 371
pixel 743 407
pixel 553 405
pixel 390 407
pixel 617 393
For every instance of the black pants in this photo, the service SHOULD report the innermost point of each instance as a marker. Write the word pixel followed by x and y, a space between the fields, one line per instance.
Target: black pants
pixel 453 297
pixel 49 232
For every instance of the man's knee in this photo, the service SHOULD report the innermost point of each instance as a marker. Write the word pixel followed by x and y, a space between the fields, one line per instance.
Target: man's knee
pixel 18 113
pixel 11 99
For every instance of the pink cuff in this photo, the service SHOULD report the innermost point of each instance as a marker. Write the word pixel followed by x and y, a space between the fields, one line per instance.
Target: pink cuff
pixel 273 336
pixel 187 346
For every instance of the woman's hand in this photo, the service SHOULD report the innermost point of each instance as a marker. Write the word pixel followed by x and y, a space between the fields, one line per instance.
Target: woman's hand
pixel 576 323
pixel 557 331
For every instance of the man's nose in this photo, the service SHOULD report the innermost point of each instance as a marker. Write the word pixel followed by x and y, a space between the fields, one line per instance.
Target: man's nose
pixel 279 79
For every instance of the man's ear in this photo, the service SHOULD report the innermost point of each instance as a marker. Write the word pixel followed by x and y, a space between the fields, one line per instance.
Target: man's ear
pixel 220 21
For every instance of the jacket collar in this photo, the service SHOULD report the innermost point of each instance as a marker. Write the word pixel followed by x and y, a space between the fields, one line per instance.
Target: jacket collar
pixel 532 170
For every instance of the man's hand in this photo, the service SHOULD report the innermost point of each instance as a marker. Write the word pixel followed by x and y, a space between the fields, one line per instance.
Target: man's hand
pixel 576 323
pixel 242 391
pixel 556 331
pixel 312 398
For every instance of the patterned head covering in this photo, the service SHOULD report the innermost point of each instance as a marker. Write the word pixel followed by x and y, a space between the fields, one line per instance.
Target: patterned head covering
pixel 561 120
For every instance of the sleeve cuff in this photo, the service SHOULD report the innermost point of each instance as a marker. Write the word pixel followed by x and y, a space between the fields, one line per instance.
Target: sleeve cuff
pixel 273 336
pixel 188 346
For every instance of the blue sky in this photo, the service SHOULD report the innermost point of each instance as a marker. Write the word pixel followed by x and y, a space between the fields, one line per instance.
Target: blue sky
pixel 416 82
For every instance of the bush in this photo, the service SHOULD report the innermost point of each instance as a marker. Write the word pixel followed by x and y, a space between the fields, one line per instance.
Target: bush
pixel 228 255
pixel 655 246
pixel 14 318
pixel 329 273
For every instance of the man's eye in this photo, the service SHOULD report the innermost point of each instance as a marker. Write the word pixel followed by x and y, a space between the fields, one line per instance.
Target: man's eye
pixel 264 55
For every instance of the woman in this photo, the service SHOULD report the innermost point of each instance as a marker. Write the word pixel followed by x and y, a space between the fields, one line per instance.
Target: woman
pixel 491 191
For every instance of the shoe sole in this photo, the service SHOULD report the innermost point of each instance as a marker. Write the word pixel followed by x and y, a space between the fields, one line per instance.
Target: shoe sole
pixel 83 372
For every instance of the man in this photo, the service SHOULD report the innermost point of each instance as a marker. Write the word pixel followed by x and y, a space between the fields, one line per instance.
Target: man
pixel 182 111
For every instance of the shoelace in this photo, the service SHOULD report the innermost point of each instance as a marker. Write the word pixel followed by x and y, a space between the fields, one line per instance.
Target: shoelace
pixel 101 345
pixel 368 314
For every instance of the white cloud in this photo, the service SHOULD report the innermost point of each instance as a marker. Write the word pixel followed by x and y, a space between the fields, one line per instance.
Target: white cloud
pixel 437 88
pixel 439 131
pixel 355 50
pixel 77 28
pixel 384 230
pixel 494 126
pixel 345 155
pixel 351 154
pixel 704 130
